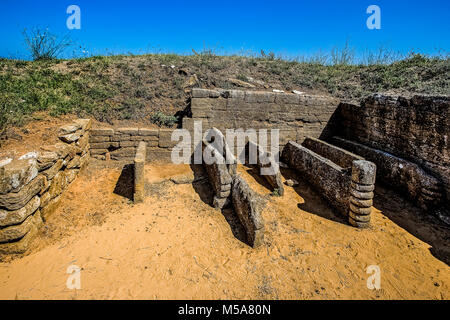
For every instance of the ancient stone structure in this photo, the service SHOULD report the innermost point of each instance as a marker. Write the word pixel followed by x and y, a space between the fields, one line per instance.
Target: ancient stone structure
pixel 267 165
pixel 120 144
pixel 31 186
pixel 361 193
pixel 248 207
pixel 413 129
pixel 296 116
pixel 220 170
pixel 139 172
pixel 405 176
pixel 331 180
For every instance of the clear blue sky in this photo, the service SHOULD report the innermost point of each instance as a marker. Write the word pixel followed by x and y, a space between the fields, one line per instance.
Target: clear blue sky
pixel 285 27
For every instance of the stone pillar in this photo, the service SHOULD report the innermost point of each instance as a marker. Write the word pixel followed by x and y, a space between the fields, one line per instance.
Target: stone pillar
pixel 361 193
pixel 139 176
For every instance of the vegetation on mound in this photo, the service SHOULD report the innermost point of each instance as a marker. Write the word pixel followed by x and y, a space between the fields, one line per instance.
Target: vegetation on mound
pixel 154 87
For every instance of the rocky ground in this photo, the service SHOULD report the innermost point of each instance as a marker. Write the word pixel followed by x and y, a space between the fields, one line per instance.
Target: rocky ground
pixel 175 246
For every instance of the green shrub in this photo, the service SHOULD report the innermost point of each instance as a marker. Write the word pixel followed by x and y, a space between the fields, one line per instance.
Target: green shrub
pixel 162 119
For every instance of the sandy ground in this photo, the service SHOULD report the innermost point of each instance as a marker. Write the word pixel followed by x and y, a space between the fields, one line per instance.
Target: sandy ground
pixel 175 246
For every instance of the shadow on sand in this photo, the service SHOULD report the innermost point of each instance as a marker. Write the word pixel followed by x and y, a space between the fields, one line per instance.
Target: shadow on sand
pixel 125 184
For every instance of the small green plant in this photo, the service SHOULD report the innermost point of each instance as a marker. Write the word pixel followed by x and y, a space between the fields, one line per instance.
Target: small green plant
pixel 276 192
pixel 162 119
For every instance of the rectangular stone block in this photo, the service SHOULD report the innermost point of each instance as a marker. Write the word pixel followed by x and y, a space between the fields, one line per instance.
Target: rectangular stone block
pixel 102 132
pixel 97 139
pixel 165 138
pixel 148 132
pixel 130 131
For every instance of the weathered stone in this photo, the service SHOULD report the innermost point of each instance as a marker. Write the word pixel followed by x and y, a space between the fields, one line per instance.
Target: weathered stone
pixel 185 178
pixel 358 224
pixel 359 218
pixel 339 156
pixel 45 199
pixel 205 93
pixel 360 211
pixel 130 131
pixel 84 160
pixel 85 124
pixel 8 218
pixel 23 244
pixel 99 157
pixel 16 200
pixel 45 186
pixel 361 195
pixel 406 177
pixel 220 203
pixel 53 170
pixel 139 172
pixel 74 163
pixel 248 207
pixel 128 143
pixel 69 129
pixel 70 175
pixel 148 132
pixel 361 203
pixel 15 232
pixel 97 139
pixel 102 132
pixel 364 172
pixel 268 167
pixel 50 208
pixel 57 185
pixel 69 138
pixel 61 149
pixel 291 183
pixel 362 187
pixel 329 179
pixel 101 145
pixel 16 174
pixel 95 152
pixel 83 142
pixel 240 83
pixel 165 138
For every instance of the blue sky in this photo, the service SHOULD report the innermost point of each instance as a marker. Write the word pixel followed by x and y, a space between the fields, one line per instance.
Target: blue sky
pixel 286 27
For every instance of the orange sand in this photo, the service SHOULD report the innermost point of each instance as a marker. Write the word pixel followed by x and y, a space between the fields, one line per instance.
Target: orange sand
pixel 175 246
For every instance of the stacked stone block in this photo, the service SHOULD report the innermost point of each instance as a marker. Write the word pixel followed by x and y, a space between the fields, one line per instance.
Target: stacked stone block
pixel 342 189
pixel 221 171
pixel 121 143
pixel 405 176
pixel 361 193
pixel 296 116
pixel 413 129
pixel 31 186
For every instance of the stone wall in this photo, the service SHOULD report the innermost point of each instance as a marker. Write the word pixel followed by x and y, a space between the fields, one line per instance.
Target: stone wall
pixel 296 116
pixel 348 190
pixel 121 143
pixel 329 179
pixel 415 129
pixel 31 186
pixel 405 176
